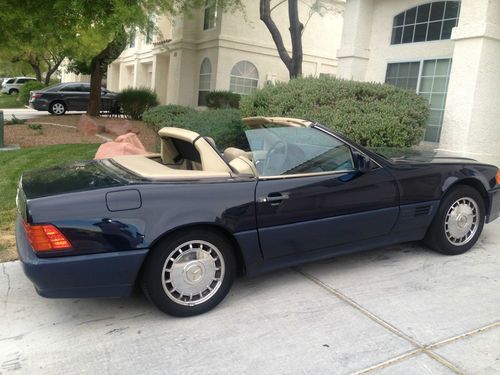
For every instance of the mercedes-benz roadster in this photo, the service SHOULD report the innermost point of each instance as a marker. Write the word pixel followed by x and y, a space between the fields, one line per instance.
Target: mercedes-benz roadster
pixel 183 223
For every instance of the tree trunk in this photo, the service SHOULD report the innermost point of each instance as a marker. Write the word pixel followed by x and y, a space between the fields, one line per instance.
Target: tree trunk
pixel 296 28
pixel 52 69
pixel 37 70
pixel 94 107
pixel 99 65
pixel 293 63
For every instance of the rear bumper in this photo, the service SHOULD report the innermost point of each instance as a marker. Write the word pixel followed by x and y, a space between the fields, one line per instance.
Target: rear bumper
pixel 494 198
pixel 95 275
pixel 39 105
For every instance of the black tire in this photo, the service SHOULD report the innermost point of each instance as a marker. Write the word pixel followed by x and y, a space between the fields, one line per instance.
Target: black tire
pixel 57 108
pixel 440 235
pixel 164 295
pixel 13 91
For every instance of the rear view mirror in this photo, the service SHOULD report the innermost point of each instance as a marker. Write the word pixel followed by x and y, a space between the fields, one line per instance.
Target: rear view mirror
pixel 364 163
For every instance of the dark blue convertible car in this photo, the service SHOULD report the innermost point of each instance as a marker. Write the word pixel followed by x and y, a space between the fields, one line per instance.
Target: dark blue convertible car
pixel 183 223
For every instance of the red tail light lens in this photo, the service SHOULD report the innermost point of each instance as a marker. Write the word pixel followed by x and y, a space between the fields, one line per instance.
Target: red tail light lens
pixel 36 96
pixel 497 177
pixel 46 238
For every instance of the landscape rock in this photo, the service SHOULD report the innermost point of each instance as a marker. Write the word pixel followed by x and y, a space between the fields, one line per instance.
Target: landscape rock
pixel 87 125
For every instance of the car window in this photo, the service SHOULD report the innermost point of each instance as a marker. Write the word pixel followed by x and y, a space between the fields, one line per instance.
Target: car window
pixel 70 88
pixel 10 80
pixel 85 88
pixel 279 151
pixel 22 80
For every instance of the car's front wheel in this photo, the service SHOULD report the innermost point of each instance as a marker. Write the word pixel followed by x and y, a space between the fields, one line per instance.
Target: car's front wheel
pixel 189 272
pixel 57 108
pixel 13 91
pixel 458 222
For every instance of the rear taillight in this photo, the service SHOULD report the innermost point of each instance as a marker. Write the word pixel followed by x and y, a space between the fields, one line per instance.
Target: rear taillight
pixel 36 95
pixel 497 177
pixel 46 237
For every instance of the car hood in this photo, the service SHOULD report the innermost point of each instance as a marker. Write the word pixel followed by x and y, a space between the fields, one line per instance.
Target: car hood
pixel 410 156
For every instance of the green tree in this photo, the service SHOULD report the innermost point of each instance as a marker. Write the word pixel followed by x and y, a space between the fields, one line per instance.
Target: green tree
pixel 34 34
pixel 104 26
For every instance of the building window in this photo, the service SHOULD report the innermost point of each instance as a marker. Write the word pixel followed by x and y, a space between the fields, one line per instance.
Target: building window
pixel 244 78
pixel 210 16
pixel 150 28
pixel 428 78
pixel 131 36
pixel 431 21
pixel 205 79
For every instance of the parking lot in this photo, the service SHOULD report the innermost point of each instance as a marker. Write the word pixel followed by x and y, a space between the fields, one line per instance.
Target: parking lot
pixel 402 310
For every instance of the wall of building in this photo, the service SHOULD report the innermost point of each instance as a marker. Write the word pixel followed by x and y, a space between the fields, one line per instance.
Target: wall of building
pixel 471 125
pixel 234 38
pixel 366 44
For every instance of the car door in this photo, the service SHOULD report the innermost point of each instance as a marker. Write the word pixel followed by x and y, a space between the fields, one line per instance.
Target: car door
pixel 71 95
pixel 324 200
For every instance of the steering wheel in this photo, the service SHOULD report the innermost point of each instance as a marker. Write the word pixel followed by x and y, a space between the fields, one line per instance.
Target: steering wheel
pixel 275 158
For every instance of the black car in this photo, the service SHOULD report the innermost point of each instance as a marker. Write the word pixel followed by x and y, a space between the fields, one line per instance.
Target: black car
pixel 183 223
pixel 70 97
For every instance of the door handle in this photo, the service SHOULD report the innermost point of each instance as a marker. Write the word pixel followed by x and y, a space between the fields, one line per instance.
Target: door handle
pixel 273 198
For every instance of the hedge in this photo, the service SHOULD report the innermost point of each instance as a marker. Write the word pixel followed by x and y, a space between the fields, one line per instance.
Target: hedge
pixel 373 114
pixel 24 91
pixel 223 99
pixel 135 101
pixel 223 125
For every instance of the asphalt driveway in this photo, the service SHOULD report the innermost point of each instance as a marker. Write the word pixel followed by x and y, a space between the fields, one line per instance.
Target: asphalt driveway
pixel 400 310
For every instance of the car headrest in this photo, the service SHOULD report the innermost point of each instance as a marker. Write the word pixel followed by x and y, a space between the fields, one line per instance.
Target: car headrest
pixel 231 153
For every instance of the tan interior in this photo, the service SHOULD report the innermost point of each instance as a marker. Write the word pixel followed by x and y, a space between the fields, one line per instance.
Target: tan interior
pixel 212 165
pixel 210 158
pixel 148 168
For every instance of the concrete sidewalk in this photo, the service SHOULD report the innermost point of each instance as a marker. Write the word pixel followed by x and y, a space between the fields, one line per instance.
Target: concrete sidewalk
pixel 400 310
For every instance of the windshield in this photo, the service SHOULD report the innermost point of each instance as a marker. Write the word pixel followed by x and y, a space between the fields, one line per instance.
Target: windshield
pixel 277 151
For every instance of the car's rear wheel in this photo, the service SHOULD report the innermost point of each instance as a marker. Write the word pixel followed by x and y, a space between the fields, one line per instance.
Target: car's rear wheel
pixel 458 222
pixel 189 272
pixel 13 91
pixel 57 108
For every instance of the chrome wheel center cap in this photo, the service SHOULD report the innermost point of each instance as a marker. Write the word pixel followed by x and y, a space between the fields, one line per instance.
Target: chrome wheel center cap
pixel 462 221
pixel 193 272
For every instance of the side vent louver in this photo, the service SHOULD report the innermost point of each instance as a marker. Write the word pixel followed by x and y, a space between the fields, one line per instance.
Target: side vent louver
pixel 422 210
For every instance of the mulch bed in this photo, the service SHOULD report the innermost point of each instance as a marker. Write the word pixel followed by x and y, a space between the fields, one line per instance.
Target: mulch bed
pixel 23 136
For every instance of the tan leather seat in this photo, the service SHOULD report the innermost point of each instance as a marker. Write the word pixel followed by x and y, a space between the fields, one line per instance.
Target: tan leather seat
pixel 231 153
pixel 243 165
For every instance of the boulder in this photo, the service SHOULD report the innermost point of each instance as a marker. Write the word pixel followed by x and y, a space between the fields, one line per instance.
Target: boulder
pixel 127 144
pixel 87 125
pixel 118 126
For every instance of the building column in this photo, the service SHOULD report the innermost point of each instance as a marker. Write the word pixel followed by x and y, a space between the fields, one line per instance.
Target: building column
pixel 182 78
pixel 471 124
pixel 354 51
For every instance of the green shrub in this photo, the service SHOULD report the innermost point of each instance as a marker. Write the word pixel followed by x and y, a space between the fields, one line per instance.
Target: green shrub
pixel 223 99
pixel 24 91
pixel 165 115
pixel 372 114
pixel 135 101
pixel 223 125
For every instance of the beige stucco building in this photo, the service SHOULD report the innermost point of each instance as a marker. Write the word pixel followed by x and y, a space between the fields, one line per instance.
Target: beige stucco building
pixel 448 51
pixel 213 50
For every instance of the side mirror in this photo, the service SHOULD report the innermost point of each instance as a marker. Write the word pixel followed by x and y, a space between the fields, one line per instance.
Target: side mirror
pixel 364 163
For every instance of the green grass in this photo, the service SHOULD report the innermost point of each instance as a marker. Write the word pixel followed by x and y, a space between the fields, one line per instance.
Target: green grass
pixel 10 101
pixel 14 163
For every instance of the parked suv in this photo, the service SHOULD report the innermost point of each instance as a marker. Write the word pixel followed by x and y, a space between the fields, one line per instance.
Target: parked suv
pixel 13 85
pixel 71 96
